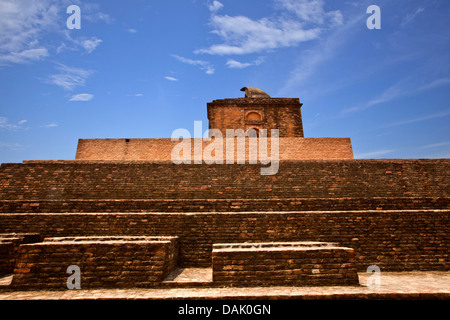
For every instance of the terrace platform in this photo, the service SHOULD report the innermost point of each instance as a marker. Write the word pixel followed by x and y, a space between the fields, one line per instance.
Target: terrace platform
pixel 394 285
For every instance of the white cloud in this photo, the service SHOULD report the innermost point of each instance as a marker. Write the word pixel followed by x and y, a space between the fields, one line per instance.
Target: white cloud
pixel 104 17
pixel 399 89
pixel 170 78
pixel 50 125
pixel 82 97
pixel 63 46
pixel 243 35
pixel 139 95
pixel 5 124
pixel 91 12
pixel 22 23
pixel 131 30
pixel 410 16
pixel 215 6
pixel 402 88
pixel 311 11
pixel 90 44
pixel 437 145
pixel 24 56
pixel 69 77
pixel 309 61
pixel 435 84
pixel 95 16
pixel 12 146
pixel 389 94
pixel 204 65
pixel 423 118
pixel 234 64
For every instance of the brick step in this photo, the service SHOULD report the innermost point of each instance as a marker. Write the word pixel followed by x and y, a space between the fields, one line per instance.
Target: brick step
pixel 394 240
pixel 220 205
pixel 120 193
pixel 188 277
pixel 295 179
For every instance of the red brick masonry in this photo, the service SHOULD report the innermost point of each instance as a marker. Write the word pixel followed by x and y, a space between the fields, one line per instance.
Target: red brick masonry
pixel 160 149
pixel 9 245
pixel 393 213
pixel 104 262
pixel 283 114
pixel 394 240
pixel 303 179
pixel 283 263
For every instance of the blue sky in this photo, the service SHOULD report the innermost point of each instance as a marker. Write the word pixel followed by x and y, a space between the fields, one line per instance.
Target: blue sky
pixel 141 69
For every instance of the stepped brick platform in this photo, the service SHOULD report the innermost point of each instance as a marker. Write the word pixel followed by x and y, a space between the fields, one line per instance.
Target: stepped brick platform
pixel 390 213
pixel 105 262
pixel 395 240
pixel 393 213
pixel 288 263
pixel 358 184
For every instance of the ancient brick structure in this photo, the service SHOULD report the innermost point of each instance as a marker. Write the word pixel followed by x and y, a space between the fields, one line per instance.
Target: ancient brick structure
pixel 9 245
pixel 160 149
pixel 56 186
pixel 106 262
pixel 243 114
pixel 261 113
pixel 291 263
pixel 395 240
pixel 389 213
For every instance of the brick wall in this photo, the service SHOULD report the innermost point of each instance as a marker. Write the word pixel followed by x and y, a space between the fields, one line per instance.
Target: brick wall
pixel 331 179
pixel 7 255
pixel 272 113
pixel 223 205
pixel 293 263
pixel 9 244
pixel 104 262
pixel 160 149
pixel 394 240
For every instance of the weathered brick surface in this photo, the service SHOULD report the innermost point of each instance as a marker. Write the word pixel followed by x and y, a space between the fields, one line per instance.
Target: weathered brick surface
pixel 112 262
pixel 270 113
pixel 394 240
pixel 331 179
pixel 392 213
pixel 9 244
pixel 222 205
pixel 7 255
pixel 293 263
pixel 161 149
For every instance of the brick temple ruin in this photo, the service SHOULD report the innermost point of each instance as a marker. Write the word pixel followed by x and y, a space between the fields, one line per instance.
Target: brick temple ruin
pixel 127 216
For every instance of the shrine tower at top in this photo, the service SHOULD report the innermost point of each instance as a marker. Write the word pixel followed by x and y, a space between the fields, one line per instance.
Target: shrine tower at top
pixel 257 111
